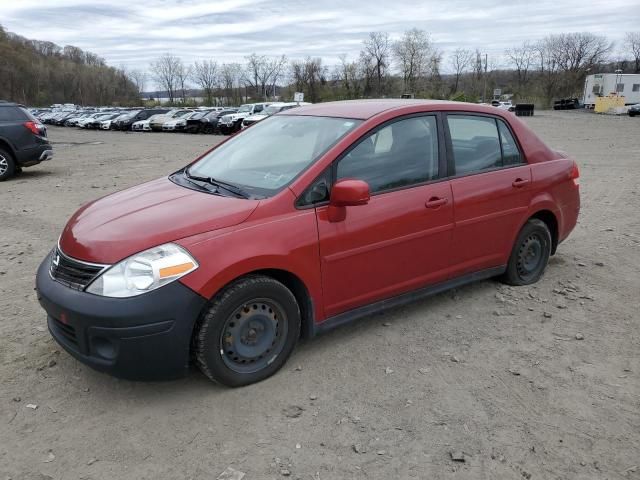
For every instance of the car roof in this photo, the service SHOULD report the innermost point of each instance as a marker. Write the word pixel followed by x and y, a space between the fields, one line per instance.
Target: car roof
pixel 364 109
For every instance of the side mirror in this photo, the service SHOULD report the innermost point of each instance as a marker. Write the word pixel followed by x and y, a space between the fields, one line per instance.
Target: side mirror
pixel 347 193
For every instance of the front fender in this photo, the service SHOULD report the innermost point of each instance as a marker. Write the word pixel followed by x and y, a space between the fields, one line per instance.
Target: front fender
pixel 288 243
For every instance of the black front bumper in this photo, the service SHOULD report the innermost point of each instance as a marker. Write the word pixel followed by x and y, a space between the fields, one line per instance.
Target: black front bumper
pixel 138 338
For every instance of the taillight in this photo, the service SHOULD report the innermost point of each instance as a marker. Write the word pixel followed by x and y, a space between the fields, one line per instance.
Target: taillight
pixel 574 174
pixel 35 127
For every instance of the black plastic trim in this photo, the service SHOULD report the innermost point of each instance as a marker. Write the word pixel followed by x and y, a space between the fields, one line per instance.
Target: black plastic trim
pixel 376 307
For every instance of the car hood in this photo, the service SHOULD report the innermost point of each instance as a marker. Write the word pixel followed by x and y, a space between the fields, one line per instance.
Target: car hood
pixel 127 222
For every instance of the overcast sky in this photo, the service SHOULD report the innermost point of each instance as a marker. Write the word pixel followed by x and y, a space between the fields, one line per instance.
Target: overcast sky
pixel 132 33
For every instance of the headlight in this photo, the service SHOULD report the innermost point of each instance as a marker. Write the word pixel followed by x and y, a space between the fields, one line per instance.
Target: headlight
pixel 144 272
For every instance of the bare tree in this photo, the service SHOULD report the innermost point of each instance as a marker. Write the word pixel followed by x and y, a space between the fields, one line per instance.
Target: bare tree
pixel 460 61
pixel 548 51
pixel 139 78
pixel 566 58
pixel 183 74
pixel 276 68
pixel 582 50
pixel 632 42
pixel 377 48
pixel 522 59
pixel 253 71
pixel 205 75
pixel 230 74
pixel 166 71
pixel 308 75
pixel 413 53
pixel 262 73
pixel 347 75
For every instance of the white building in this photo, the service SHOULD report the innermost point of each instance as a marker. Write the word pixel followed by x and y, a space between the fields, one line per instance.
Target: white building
pixel 626 85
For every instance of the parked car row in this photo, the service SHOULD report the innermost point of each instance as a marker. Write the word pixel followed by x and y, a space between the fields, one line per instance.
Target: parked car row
pixel 209 120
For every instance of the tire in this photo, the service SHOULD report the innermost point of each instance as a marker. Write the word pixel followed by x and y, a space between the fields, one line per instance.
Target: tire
pixel 248 331
pixel 207 129
pixel 7 165
pixel 530 254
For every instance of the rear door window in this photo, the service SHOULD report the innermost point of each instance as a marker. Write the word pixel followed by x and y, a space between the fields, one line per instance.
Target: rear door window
pixel 476 143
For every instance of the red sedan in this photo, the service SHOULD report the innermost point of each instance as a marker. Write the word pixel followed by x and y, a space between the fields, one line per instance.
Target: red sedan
pixel 309 219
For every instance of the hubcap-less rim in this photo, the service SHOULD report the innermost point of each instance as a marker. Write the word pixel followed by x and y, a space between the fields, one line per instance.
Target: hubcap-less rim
pixel 253 335
pixel 4 165
pixel 530 256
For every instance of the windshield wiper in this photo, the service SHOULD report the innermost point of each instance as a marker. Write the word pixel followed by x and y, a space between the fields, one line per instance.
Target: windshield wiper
pixel 229 187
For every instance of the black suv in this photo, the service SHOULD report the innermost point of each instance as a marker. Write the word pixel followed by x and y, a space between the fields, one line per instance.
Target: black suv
pixel 209 123
pixel 125 123
pixel 23 140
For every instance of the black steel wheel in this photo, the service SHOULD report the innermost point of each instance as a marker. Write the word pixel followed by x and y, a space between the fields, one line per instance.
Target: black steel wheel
pixel 253 336
pixel 530 254
pixel 248 332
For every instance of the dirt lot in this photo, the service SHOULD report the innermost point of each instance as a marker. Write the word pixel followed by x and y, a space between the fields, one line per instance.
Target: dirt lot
pixel 539 382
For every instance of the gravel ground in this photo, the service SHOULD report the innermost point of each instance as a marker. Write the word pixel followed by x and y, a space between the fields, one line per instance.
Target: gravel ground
pixel 538 382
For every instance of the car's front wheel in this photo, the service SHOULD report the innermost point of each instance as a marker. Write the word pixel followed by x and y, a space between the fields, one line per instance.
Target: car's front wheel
pixel 530 254
pixel 7 165
pixel 248 331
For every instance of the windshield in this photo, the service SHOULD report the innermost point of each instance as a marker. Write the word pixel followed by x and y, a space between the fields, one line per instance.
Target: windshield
pixel 269 155
pixel 244 108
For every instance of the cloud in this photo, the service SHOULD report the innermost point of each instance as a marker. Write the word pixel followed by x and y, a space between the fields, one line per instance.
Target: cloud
pixel 134 33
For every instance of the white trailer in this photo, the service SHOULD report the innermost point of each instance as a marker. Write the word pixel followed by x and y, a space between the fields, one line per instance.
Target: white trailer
pixel 626 85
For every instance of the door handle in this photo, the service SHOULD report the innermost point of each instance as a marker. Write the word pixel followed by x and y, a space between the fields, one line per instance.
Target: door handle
pixel 519 182
pixel 435 202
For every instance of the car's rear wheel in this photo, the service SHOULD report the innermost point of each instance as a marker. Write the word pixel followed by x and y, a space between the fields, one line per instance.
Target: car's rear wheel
pixel 248 332
pixel 530 254
pixel 7 165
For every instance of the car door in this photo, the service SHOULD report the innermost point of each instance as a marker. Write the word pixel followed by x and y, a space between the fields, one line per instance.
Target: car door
pixel 400 240
pixel 491 184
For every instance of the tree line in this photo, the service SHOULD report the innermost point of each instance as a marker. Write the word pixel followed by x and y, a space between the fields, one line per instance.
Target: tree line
pixel 34 72
pixel 552 67
pixel 38 73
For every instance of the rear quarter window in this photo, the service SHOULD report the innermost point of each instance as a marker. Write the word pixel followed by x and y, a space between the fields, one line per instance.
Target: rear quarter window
pixel 475 142
pixel 13 114
pixel 510 152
